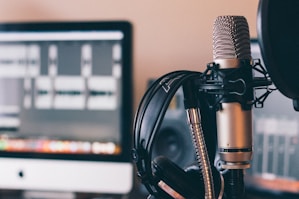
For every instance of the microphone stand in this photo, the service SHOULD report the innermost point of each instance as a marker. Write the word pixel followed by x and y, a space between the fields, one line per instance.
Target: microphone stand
pixel 234 184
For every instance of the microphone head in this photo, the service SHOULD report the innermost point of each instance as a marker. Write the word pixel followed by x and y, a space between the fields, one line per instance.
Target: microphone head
pixel 231 38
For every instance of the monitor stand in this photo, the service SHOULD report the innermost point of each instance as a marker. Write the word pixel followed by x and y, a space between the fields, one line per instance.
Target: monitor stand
pixel 47 195
pixel 35 194
pixel 69 195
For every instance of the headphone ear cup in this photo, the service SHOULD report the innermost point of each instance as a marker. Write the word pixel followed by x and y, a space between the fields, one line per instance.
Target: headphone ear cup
pixel 196 177
pixel 174 180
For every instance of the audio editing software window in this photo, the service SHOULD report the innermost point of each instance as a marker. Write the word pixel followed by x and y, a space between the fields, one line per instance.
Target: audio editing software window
pixel 60 91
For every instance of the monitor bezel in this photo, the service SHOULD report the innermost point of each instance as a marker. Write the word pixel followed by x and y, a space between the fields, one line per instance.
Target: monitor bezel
pixel 127 91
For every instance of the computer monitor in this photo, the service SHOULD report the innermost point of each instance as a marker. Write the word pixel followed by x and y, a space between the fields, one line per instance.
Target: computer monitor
pixel 275 161
pixel 66 106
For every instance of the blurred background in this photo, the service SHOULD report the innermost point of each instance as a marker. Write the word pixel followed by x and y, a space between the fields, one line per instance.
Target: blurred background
pixel 168 35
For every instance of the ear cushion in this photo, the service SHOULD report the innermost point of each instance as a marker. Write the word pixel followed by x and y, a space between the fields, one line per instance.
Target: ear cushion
pixel 187 185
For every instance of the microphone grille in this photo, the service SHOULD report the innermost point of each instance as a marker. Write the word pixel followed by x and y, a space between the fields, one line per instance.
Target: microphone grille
pixel 231 38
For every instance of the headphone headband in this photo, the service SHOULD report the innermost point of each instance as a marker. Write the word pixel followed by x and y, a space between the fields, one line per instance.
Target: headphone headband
pixel 148 119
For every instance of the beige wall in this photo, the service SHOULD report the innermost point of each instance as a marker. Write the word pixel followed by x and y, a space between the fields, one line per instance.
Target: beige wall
pixel 168 34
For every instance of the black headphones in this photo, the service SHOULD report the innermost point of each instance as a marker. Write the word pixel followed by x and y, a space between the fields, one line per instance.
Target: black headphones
pixel 161 177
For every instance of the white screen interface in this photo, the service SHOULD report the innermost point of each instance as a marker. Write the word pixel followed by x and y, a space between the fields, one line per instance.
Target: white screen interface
pixel 60 92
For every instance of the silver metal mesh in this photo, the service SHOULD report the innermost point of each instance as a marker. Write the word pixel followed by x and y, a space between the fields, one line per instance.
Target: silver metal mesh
pixel 231 38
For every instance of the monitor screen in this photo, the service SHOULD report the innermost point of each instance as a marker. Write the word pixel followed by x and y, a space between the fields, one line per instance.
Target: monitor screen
pixel 66 106
pixel 276 144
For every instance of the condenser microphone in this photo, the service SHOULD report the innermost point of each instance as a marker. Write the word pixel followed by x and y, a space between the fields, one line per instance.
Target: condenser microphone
pixel 232 56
